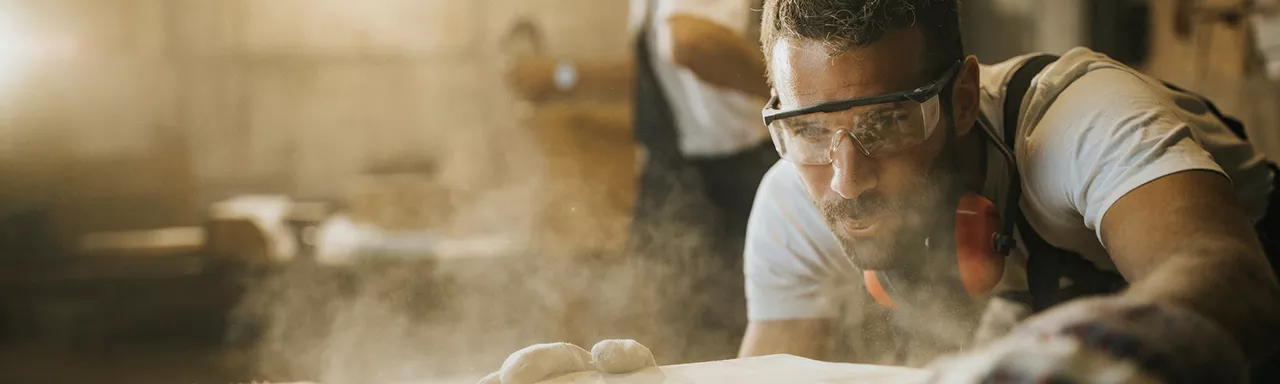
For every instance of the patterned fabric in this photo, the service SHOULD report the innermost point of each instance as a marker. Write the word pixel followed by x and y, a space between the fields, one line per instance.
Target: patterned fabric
pixel 1103 340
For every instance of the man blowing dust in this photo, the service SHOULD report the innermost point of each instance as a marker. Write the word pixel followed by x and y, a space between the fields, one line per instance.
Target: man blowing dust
pixel 1128 190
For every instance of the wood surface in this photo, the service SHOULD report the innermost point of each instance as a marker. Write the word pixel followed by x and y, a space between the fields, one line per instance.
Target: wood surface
pixel 761 369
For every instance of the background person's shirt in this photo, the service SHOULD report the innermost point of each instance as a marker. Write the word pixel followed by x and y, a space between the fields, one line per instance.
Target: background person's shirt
pixel 711 121
pixel 1091 131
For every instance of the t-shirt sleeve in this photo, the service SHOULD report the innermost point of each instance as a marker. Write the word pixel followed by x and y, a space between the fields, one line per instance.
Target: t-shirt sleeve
pixel 1105 135
pixel 785 274
pixel 731 14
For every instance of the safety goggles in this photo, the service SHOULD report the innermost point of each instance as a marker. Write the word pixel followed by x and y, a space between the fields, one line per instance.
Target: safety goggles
pixel 879 125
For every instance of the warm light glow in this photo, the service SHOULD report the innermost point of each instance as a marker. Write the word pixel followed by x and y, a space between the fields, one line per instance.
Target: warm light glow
pixel 22 48
pixel 11 47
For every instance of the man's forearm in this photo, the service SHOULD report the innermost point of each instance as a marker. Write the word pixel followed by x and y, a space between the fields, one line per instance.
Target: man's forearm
pixel 1184 240
pixel 717 55
pixel 1242 298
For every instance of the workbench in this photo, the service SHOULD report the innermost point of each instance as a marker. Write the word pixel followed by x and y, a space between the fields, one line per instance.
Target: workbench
pixel 752 370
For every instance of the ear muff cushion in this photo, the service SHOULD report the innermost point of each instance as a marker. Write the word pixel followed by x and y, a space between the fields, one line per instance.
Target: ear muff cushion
pixel 877 290
pixel 977 224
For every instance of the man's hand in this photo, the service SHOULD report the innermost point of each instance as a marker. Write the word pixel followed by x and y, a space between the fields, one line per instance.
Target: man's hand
pixel 547 361
pixel 1104 340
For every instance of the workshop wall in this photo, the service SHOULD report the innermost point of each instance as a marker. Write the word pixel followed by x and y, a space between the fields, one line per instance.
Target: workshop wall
pixel 135 113
pixel 1185 44
pixel 89 124
pixel 1217 57
pixel 996 30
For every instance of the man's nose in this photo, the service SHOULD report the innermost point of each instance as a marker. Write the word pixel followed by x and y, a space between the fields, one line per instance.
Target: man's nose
pixel 852 169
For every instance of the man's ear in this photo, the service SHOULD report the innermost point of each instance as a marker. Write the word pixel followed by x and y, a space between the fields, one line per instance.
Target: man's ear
pixel 966 97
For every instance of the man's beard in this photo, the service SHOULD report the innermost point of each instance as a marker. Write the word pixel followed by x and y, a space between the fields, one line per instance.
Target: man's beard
pixel 919 207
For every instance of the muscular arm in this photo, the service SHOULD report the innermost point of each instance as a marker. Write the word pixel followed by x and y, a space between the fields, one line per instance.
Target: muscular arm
pixel 809 338
pixel 717 55
pixel 1184 239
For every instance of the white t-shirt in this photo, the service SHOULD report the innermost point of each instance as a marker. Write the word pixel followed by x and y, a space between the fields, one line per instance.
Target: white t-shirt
pixel 711 121
pixel 1079 149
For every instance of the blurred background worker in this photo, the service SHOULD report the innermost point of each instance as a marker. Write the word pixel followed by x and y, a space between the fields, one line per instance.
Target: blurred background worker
pixel 699 80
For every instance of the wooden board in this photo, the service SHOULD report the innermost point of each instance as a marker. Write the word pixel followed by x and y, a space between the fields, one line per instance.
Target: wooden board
pixel 762 369
pixel 144 243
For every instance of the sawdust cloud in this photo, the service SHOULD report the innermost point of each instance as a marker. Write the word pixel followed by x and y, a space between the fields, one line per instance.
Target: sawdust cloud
pixel 391 321
pixel 386 321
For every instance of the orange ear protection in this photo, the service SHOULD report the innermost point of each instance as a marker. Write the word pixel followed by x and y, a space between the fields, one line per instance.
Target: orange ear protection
pixel 982 241
pixel 979 257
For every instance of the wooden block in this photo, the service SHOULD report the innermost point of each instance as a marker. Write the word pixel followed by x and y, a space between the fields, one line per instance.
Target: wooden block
pixel 144 243
pixel 252 229
pixel 239 239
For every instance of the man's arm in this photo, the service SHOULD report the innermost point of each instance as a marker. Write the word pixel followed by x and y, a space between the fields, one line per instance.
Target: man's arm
pixel 1125 157
pixel 1184 239
pixel 717 54
pixel 809 338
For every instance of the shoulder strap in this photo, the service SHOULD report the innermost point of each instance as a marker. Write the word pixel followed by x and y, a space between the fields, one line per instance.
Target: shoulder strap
pixel 1043 269
pixel 1047 264
pixel 1016 90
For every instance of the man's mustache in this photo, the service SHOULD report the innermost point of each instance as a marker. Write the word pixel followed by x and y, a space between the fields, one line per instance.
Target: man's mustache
pixel 862 207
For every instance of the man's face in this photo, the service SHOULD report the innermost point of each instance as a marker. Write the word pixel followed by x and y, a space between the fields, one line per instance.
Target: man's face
pixel 881 209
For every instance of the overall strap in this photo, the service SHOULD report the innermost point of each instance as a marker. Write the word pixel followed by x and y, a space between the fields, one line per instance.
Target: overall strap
pixel 1043 264
pixel 1047 264
pixel 653 120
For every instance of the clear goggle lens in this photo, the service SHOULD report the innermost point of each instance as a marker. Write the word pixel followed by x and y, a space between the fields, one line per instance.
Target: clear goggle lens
pixel 877 130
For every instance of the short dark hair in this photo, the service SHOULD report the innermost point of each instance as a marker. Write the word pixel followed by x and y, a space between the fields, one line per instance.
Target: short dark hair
pixel 847 24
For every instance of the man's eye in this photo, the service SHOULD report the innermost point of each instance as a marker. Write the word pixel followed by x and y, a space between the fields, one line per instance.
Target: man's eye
pixel 885 120
pixel 810 132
